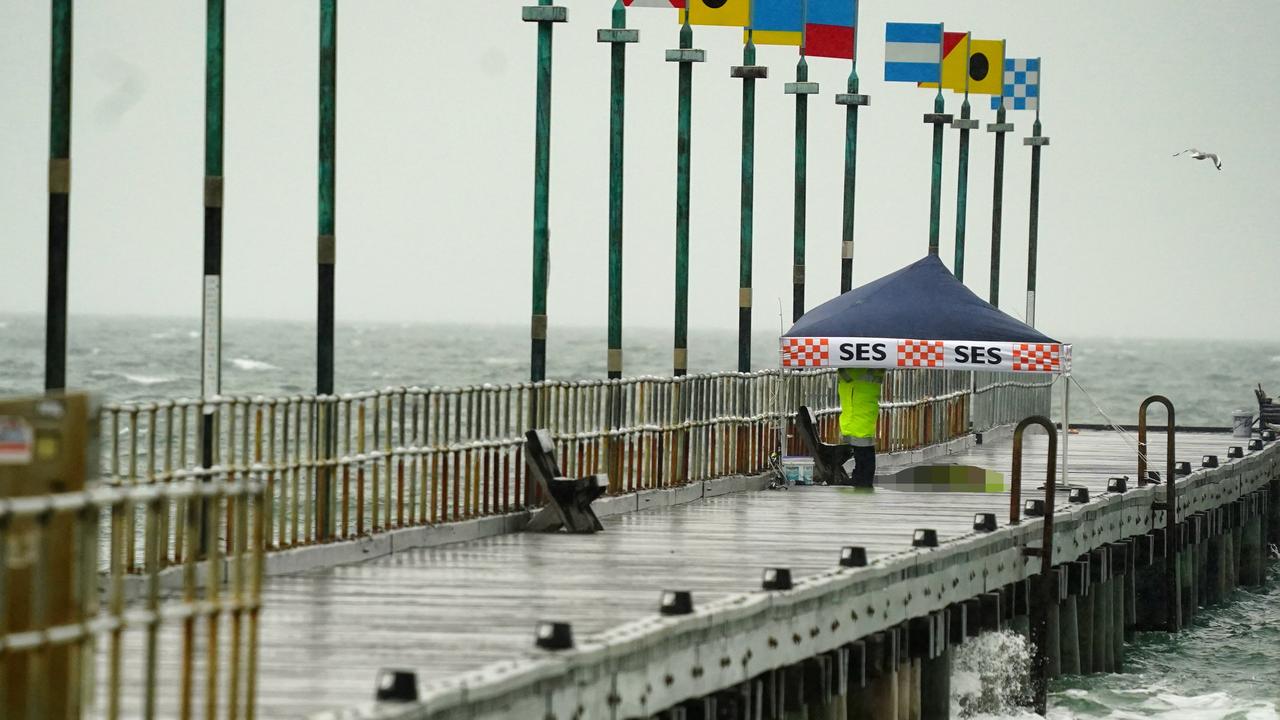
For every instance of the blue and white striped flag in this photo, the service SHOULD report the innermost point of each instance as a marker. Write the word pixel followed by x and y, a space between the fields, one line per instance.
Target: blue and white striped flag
pixel 913 52
pixel 1021 85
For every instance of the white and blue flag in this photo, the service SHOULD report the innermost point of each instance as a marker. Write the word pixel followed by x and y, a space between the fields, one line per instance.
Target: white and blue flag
pixel 1021 85
pixel 913 52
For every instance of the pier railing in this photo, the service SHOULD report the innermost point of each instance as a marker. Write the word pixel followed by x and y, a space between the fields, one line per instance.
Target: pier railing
pixel 346 466
pixel 80 649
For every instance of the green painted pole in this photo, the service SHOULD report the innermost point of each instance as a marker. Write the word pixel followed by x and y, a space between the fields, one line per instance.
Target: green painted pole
pixel 211 310
pixel 685 56
pixel 326 252
pixel 965 124
pixel 749 72
pixel 852 101
pixel 55 333
pixel 999 127
pixel 802 89
pixel 618 36
pixel 938 119
pixel 545 15
pixel 1036 141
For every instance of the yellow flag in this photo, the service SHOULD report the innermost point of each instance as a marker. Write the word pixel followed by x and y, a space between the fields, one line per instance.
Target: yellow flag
pixel 734 13
pixel 774 37
pixel 985 64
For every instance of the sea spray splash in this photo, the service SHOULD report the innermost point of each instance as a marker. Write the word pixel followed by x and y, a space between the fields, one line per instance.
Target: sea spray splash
pixel 991 675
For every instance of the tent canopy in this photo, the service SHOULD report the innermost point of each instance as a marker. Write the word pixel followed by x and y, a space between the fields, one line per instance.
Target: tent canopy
pixel 919 316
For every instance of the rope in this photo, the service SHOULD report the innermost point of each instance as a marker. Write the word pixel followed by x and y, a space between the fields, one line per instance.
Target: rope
pixel 1114 425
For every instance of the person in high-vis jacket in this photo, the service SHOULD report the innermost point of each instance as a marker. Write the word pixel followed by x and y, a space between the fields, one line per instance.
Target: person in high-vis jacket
pixel 859 390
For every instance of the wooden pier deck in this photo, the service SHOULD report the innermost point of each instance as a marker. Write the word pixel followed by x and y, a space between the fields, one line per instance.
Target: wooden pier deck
pixel 448 611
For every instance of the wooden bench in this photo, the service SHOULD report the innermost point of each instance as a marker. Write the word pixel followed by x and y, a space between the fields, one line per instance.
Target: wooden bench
pixel 828 459
pixel 1268 410
pixel 568 501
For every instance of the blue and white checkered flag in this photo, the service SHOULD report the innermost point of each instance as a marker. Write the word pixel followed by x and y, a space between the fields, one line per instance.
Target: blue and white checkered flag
pixel 1021 85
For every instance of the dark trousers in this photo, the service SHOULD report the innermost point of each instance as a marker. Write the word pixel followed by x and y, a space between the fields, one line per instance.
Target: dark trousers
pixel 864 466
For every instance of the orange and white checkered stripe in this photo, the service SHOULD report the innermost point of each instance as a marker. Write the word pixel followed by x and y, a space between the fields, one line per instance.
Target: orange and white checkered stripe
pixel 1036 357
pixel 921 353
pixel 806 352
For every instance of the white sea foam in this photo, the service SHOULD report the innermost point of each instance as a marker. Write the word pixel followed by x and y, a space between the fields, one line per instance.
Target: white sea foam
pixel 148 379
pixel 252 365
pixel 991 676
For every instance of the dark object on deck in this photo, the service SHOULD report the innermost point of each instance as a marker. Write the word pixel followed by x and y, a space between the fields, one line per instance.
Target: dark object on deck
pixel 1079 495
pixel 396 686
pixel 1255 444
pixel 1183 468
pixel 828 459
pixel 776 579
pixel 1033 508
pixel 1209 461
pixel 1118 484
pixel 984 522
pixel 853 556
pixel 554 635
pixel 569 501
pixel 1268 411
pixel 1269 435
pixel 676 602
pixel 1235 451
pixel 925 537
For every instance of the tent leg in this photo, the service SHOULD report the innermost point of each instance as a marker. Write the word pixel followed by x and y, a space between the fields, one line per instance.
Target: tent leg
pixel 1066 425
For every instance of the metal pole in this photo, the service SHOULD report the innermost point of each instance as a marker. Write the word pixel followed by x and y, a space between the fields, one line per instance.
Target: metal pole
pixel 544 14
pixel 801 88
pixel 1066 425
pixel 1036 141
pixel 55 334
pixel 326 247
pixel 851 100
pixel 211 309
pixel 618 36
pixel 999 127
pixel 686 56
pixel 749 72
pixel 964 124
pixel 938 119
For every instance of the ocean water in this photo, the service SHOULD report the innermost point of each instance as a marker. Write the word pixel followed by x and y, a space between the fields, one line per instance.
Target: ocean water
pixel 1227 665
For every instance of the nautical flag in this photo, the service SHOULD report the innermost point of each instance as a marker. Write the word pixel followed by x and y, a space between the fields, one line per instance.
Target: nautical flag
pixel 654 3
pixel 912 52
pixel 985 58
pixel 776 22
pixel 718 12
pixel 828 30
pixel 1021 85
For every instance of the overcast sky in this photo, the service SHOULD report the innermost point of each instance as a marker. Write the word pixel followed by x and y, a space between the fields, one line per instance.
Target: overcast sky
pixel 435 154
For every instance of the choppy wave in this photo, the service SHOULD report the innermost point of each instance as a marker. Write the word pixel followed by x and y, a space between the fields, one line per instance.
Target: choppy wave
pixel 148 379
pixel 252 365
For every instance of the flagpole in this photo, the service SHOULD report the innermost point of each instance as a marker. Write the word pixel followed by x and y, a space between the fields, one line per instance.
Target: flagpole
pixel 617 36
pixel 964 124
pixel 1000 128
pixel 211 308
pixel 802 89
pixel 326 252
pixel 55 331
pixel 1036 142
pixel 749 72
pixel 685 55
pixel 938 119
pixel 852 101
pixel 546 15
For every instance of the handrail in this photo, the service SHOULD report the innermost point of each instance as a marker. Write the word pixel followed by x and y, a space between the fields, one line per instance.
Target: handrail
pixel 1171 540
pixel 1048 585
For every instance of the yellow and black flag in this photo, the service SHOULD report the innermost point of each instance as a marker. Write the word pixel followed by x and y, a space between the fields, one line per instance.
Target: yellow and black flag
pixel 985 60
pixel 733 13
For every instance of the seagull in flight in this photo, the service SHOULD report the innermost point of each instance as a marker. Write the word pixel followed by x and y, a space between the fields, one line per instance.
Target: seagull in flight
pixel 1202 155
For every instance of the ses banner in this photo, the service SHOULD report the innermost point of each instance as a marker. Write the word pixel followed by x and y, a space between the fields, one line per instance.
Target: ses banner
pixel 803 352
